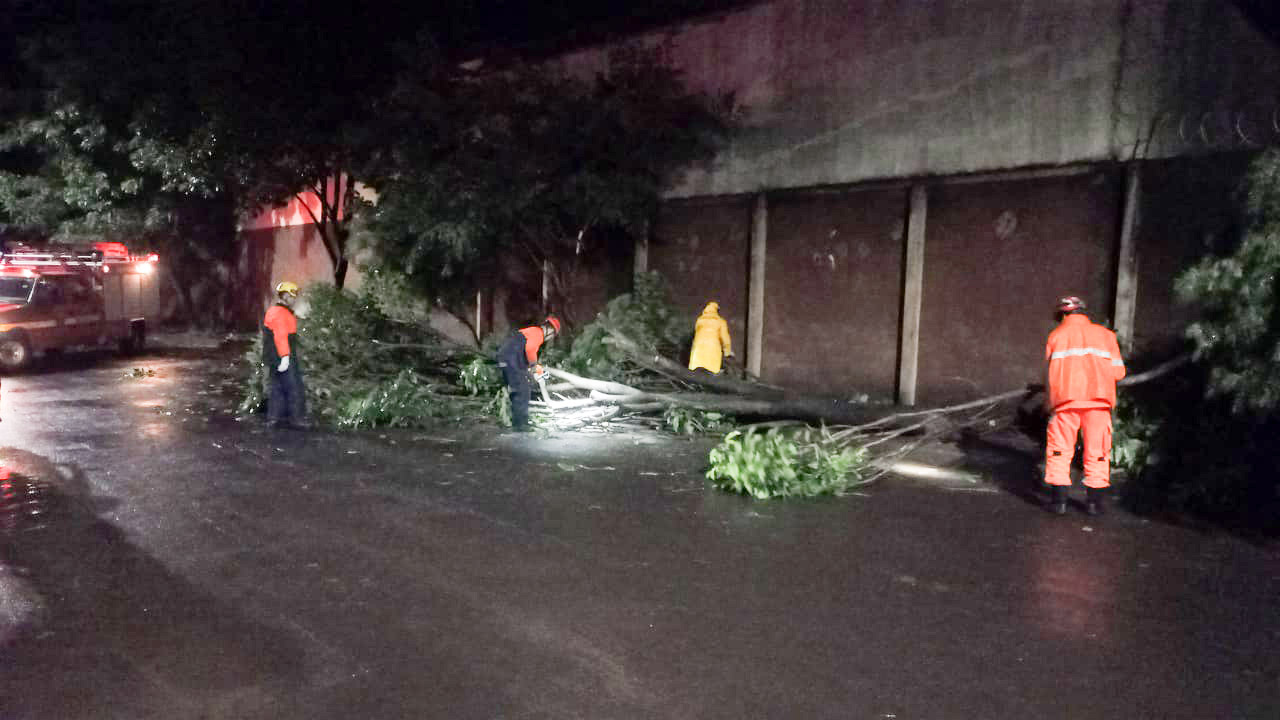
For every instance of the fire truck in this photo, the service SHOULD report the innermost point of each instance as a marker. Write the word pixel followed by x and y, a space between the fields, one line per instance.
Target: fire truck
pixel 51 299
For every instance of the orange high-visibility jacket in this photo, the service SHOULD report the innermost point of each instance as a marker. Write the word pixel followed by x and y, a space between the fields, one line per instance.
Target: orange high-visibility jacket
pixel 533 337
pixel 280 327
pixel 1084 364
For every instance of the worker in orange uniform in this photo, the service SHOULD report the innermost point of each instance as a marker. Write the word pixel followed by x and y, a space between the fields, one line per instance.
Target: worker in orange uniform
pixel 287 404
pixel 1084 364
pixel 516 355
pixel 711 340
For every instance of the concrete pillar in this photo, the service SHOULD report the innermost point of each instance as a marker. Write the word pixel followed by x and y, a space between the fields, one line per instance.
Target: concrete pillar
pixel 1127 263
pixel 913 291
pixel 546 286
pixel 640 265
pixel 755 285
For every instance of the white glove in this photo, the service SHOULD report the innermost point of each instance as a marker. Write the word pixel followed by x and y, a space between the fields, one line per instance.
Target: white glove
pixel 284 364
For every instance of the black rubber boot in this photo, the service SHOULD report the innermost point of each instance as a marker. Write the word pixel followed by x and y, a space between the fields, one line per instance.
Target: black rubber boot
pixel 1093 502
pixel 1058 501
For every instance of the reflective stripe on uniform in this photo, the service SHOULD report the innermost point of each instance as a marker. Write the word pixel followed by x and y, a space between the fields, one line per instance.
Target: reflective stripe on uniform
pixel 1082 351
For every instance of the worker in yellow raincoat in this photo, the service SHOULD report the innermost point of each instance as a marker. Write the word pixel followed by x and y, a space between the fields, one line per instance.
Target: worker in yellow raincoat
pixel 710 340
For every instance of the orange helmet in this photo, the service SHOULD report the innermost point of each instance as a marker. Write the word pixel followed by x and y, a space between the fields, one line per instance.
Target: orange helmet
pixel 554 322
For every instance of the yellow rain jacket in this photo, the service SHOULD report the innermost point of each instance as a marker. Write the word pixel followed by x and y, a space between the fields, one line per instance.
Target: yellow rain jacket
pixel 710 340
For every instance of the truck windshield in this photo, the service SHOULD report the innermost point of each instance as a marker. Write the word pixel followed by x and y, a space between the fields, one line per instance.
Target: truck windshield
pixel 15 289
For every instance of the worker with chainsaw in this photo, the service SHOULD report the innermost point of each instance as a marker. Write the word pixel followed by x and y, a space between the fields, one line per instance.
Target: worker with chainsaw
pixel 711 340
pixel 287 402
pixel 516 356
pixel 1084 364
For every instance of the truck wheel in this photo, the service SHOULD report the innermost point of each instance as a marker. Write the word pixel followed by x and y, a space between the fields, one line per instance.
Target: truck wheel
pixel 15 353
pixel 137 340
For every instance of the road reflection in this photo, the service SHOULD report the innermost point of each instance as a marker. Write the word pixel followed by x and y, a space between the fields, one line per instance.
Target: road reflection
pixel 1069 596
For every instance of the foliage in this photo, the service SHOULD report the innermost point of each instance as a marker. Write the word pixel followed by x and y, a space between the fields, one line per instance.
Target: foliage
pixel 1134 433
pixel 532 164
pixel 363 369
pixel 499 407
pixel 786 463
pixel 193 110
pixel 1201 441
pixel 691 421
pixel 646 316
pixel 1238 334
pixel 67 178
pixel 256 388
pixel 480 376
pixel 1188 451
pixel 405 400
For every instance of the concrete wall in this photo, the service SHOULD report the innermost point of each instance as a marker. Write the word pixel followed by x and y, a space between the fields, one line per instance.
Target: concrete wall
pixel 1017 116
pixel 997 256
pixel 700 248
pixel 1195 78
pixel 833 291
pixel 842 91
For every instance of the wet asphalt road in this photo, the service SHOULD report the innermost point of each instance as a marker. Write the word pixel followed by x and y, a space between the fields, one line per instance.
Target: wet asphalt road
pixel 159 559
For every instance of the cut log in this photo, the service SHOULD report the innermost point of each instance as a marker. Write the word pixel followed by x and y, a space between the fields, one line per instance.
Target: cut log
pixel 604 386
pixel 755 400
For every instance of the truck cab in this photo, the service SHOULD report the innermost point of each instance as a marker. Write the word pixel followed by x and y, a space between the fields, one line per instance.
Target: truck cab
pixel 56 299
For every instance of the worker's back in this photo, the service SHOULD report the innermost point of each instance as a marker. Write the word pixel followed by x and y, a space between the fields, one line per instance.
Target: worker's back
pixel 711 340
pixel 1084 364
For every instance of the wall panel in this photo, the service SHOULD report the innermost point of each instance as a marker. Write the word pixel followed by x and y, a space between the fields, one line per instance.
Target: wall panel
pixel 997 256
pixel 832 292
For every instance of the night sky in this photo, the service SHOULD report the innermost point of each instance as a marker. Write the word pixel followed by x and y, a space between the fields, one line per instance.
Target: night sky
pixel 542 25
pixel 365 33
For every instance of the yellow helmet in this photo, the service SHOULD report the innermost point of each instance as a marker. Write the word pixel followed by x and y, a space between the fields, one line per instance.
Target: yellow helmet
pixel 287 287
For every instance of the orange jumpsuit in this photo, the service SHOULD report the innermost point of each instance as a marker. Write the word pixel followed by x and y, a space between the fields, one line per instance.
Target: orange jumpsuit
pixel 1084 364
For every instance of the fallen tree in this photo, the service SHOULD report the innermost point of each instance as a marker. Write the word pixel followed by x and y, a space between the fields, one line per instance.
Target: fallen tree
pixel 861 440
pixel 367 370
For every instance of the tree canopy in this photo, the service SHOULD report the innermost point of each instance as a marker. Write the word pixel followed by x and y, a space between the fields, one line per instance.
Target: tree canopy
pixel 243 105
pixel 1238 334
pixel 532 163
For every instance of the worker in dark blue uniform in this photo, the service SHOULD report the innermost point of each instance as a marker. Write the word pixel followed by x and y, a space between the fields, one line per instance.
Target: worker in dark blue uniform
pixel 516 355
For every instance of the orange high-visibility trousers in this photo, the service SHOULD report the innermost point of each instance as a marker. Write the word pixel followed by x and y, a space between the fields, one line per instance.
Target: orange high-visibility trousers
pixel 1095 423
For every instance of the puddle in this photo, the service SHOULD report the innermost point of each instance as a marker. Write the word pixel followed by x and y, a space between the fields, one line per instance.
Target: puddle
pixel 24 503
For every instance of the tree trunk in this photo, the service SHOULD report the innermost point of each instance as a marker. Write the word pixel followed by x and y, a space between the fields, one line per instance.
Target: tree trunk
pixel 340 273
pixel 752 400
pixel 801 407
pixel 183 293
pixel 657 363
